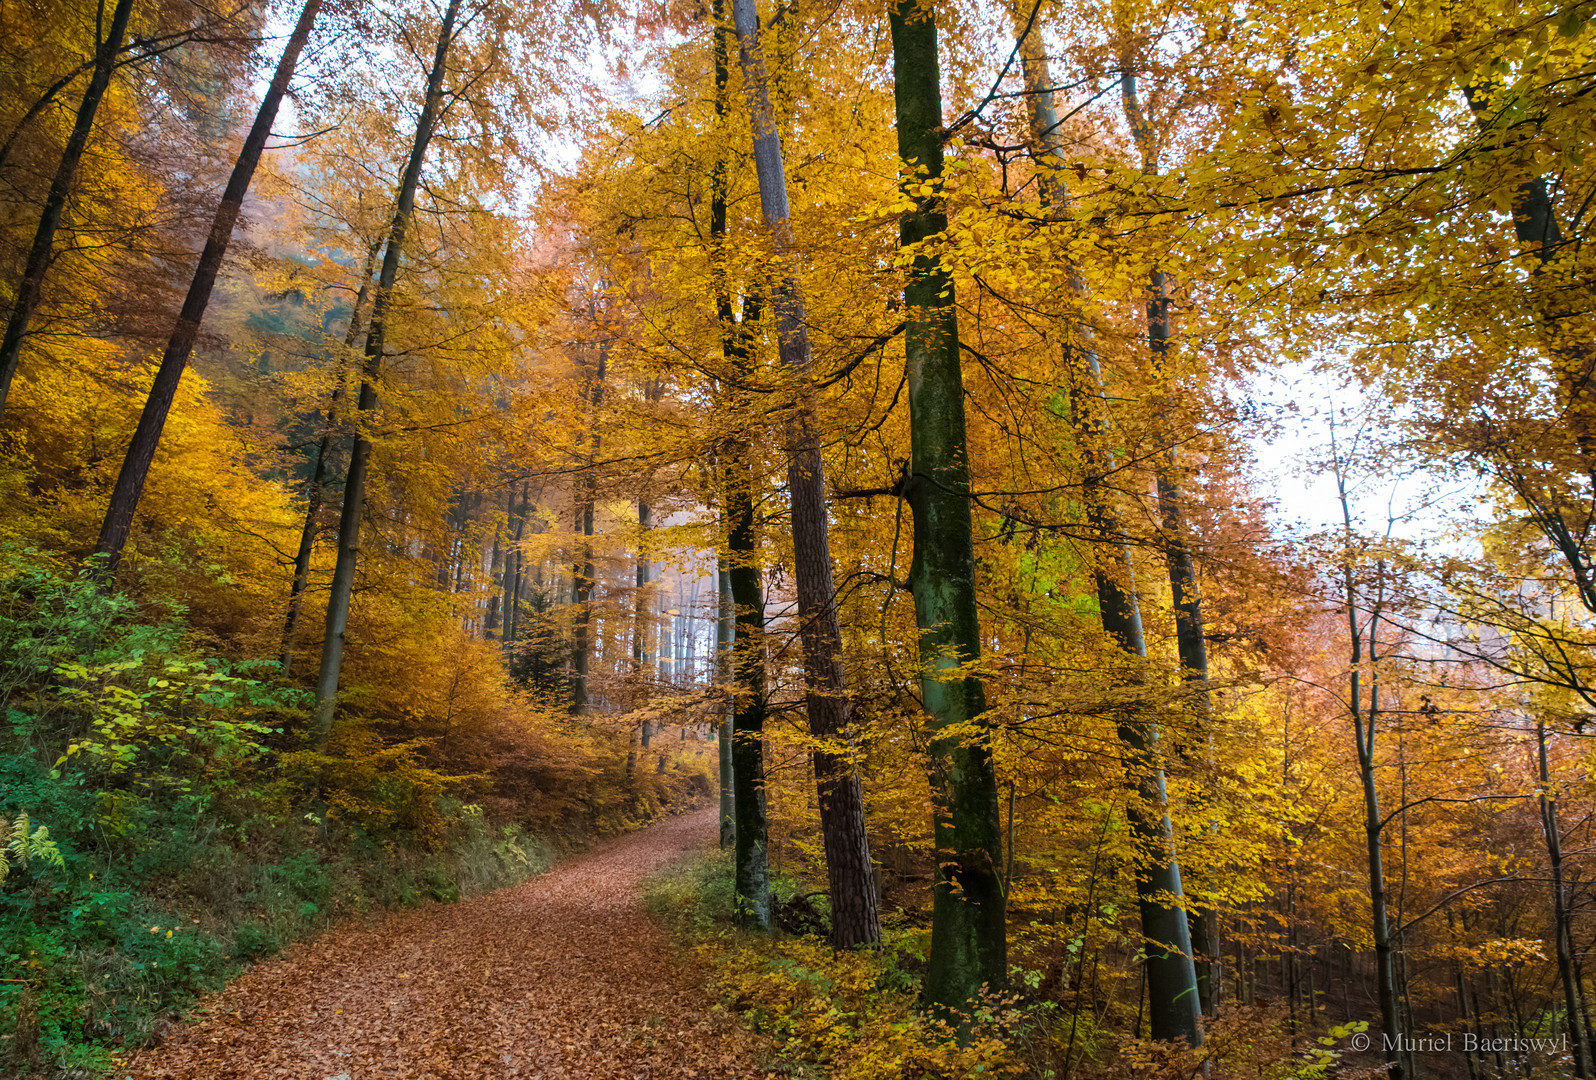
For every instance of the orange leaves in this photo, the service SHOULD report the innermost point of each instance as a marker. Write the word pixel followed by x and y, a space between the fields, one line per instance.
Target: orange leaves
pixel 561 976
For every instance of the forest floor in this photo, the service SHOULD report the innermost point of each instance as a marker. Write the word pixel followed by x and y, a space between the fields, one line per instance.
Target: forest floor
pixel 562 976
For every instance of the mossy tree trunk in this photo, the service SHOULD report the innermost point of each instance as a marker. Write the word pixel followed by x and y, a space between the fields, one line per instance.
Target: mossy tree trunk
pixel 968 918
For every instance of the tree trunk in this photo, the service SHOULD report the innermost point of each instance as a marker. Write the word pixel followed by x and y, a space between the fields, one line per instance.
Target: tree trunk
pixel 969 949
pixel 315 491
pixel 854 920
pixel 751 855
pixel 147 436
pixel 725 635
pixel 582 572
pixel 29 289
pixel 1190 640
pixel 642 662
pixel 1171 974
pixel 1363 731
pixel 512 577
pixel 343 582
pixel 1562 920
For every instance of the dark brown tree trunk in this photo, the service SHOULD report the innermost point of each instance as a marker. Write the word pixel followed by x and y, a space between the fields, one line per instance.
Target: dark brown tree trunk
pixel 343 582
pixel 744 756
pixel 1562 920
pixel 725 637
pixel 30 288
pixel 582 571
pixel 1364 726
pixel 315 491
pixel 147 436
pixel 969 949
pixel 512 573
pixel 642 661
pixel 751 854
pixel 496 575
pixel 853 896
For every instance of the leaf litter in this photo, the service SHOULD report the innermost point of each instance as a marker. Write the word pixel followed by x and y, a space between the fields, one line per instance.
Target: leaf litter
pixel 562 976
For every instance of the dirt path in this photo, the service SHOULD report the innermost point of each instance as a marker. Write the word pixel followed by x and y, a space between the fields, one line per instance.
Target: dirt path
pixel 562 976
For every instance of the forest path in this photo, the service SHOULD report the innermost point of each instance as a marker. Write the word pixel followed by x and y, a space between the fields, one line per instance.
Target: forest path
pixel 562 976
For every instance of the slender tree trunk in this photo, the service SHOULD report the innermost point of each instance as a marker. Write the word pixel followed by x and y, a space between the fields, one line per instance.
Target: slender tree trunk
pixel 147 436
pixel 496 577
pixel 1171 974
pixel 512 579
pixel 667 645
pixel 343 581
pixel 642 662
pixel 315 491
pixel 30 288
pixel 583 570
pixel 725 636
pixel 1174 1007
pixel 1363 731
pixel 969 947
pixel 854 920
pixel 1561 918
pixel 1190 641
pixel 751 851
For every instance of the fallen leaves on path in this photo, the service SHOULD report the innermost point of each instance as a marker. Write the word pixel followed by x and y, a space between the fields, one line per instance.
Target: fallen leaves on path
pixel 562 976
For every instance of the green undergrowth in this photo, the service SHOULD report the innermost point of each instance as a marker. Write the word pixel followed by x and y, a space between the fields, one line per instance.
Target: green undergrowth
pixel 157 902
pixel 173 827
pixel 857 1015
pixel 849 1016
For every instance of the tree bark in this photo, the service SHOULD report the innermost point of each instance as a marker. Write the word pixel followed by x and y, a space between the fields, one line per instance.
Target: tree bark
pixel 147 436
pixel 315 491
pixel 30 288
pixel 854 920
pixel 1363 732
pixel 642 662
pixel 343 581
pixel 1171 974
pixel 725 636
pixel 749 706
pixel 1561 917
pixel 582 571
pixel 1190 639
pixel 512 576
pixel 969 948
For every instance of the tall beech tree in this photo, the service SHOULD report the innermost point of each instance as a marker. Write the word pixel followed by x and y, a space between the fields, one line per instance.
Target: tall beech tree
pixel 739 491
pixel 1191 641
pixel 854 920
pixel 147 436
pixel 751 847
pixel 316 486
pixel 1363 623
pixel 725 638
pixel 25 298
pixel 969 948
pixel 1174 1003
pixel 582 570
pixel 349 521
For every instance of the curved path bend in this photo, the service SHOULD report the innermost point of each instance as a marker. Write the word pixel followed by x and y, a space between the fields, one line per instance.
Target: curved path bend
pixel 562 976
